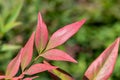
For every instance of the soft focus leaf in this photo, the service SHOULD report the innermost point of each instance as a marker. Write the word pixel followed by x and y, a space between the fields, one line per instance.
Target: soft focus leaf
pixel 27 52
pixel 55 54
pixel 37 68
pixel 63 34
pixel 41 36
pixel 103 66
pixel 10 26
pixel 15 11
pixel 2 77
pixel 13 66
pixel 27 79
pixel 13 16
pixel 16 78
pixel 1 24
pixel 9 47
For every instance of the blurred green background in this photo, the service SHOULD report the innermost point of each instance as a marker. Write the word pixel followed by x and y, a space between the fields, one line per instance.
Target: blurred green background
pixel 18 19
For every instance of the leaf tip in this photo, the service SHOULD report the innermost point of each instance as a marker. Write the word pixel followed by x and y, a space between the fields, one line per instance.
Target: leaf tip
pixel 39 17
pixel 75 61
pixel 81 22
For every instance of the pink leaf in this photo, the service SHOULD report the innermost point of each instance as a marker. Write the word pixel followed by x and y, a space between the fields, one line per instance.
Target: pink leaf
pixel 27 79
pixel 13 66
pixel 55 54
pixel 103 66
pixel 63 34
pixel 41 36
pixel 27 52
pixel 2 77
pixel 16 78
pixel 37 68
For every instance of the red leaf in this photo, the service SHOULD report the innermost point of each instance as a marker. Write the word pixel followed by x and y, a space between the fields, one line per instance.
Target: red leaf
pixel 13 66
pixel 103 66
pixel 63 34
pixel 2 77
pixel 37 68
pixel 27 52
pixel 41 37
pixel 55 54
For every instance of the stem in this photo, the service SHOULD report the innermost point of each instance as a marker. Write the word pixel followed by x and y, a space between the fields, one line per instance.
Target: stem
pixel 37 58
pixel 39 55
pixel 33 61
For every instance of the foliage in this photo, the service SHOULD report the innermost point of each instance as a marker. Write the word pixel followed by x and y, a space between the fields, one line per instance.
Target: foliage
pixel 47 49
pixel 8 16
pixel 100 30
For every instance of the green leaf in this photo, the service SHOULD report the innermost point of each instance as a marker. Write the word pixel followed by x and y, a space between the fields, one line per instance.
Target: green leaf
pixel 61 74
pixel 15 12
pixel 1 23
pixel 10 26
pixel 9 47
pixel 13 16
